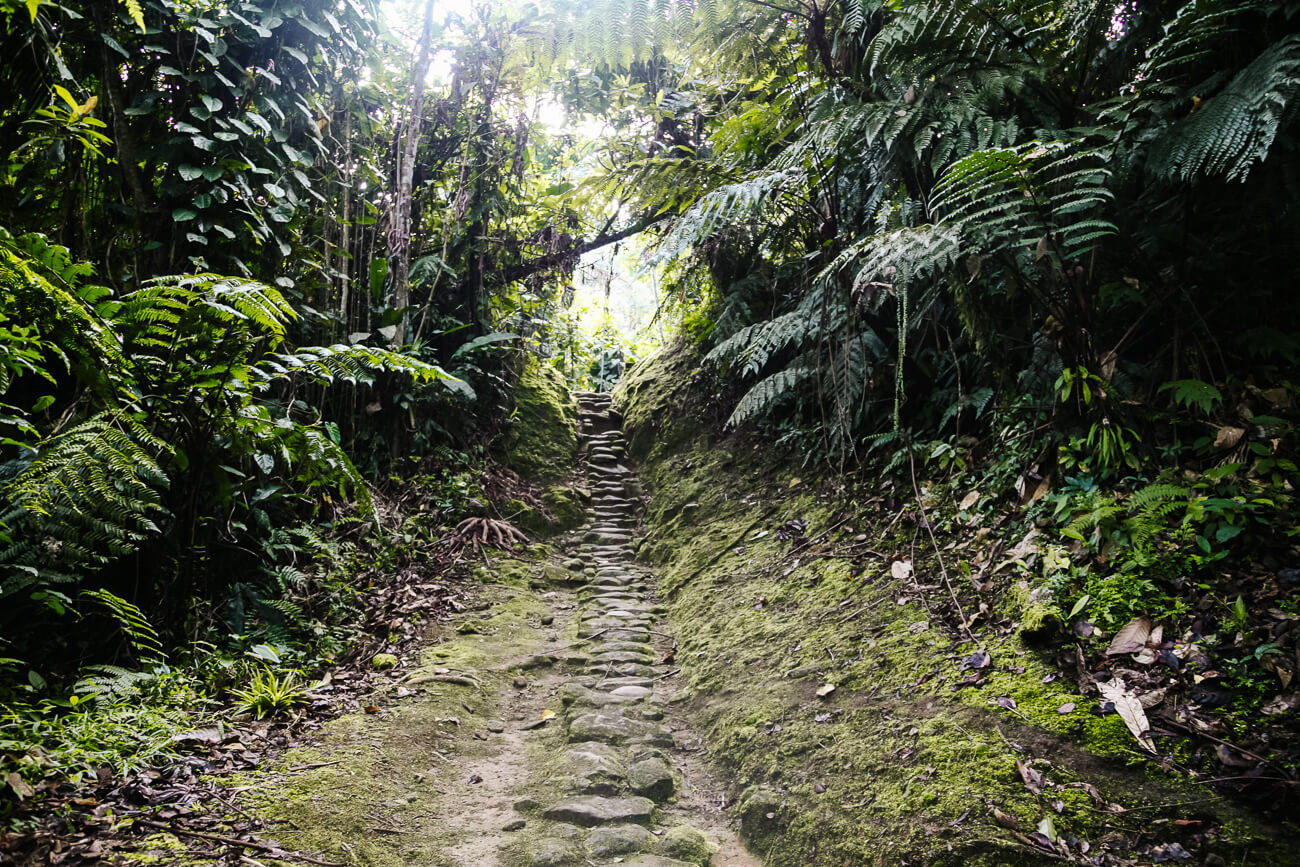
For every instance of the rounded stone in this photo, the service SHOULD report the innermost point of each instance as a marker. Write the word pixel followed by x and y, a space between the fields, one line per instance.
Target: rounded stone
pixel 619 840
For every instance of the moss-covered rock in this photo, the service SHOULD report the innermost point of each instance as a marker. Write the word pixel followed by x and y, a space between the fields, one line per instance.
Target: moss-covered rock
pixel 544 438
pixel 381 661
pixel 565 506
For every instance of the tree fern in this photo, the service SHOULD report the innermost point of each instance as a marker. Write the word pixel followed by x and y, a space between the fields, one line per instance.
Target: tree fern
pixel 356 363
pixel 1020 195
pixel 137 629
pixel 94 491
pixel 1234 129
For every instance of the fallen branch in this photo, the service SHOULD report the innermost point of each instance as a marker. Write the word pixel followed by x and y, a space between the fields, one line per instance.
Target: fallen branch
pixel 458 679
pixel 274 851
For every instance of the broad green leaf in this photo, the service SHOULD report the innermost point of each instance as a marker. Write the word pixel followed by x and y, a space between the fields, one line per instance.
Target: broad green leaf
pixel 115 45
pixel 378 273
pixel 189 173
pixel 258 120
pixel 182 215
pixel 211 102
pixel 66 96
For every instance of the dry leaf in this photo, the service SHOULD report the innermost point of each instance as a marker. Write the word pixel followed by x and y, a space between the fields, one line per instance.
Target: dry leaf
pixel 1131 638
pixel 19 786
pixel 1034 781
pixel 901 569
pixel 825 689
pixel 1228 436
pixel 547 714
pixel 1129 707
pixel 1231 759
pixel 969 500
pixel 1005 820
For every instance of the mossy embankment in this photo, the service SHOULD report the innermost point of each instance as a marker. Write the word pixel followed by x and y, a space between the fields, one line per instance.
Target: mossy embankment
pixel 827 682
pixel 543 437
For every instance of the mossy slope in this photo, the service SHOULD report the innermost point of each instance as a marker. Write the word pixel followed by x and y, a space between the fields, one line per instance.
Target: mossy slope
pixel 897 764
pixel 544 437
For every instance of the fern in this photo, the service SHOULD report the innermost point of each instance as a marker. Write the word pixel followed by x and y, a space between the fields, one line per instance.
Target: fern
pixel 112 683
pixel 356 364
pixel 1194 393
pixel 1021 195
pixel 134 625
pixel 766 392
pixel 1234 130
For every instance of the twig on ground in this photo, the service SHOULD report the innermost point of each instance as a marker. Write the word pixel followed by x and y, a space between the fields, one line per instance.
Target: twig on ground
pixel 929 529
pixel 275 851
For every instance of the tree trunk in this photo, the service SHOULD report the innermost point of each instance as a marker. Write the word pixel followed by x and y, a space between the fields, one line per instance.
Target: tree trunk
pixel 400 242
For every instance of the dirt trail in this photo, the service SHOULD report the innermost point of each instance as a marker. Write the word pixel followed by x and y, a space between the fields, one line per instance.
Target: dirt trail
pixel 562 745
pixel 620 780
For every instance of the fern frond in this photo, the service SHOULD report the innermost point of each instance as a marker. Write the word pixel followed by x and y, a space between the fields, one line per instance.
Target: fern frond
pixel 356 363
pixel 1234 129
pixel 767 392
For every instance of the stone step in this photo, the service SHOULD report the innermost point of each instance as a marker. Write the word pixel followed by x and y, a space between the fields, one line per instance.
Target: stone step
pixel 599 810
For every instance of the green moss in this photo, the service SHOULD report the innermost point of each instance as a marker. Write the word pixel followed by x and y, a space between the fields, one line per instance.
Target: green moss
pixel 898 764
pixel 566 507
pixel 381 661
pixel 160 848
pixel 543 440
pixel 387 771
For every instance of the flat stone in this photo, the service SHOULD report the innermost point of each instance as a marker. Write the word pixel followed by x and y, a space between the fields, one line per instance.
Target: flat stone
pixel 551 852
pixel 598 810
pixel 641 635
pixel 614 683
pixel 636 647
pixel 575 564
pixel 652 778
pixel 689 844
pixel 612 728
pixel 496 726
pixel 620 656
pixel 623 669
pixel 514 825
pixel 614 840
pixel 594 768
pixel 632 692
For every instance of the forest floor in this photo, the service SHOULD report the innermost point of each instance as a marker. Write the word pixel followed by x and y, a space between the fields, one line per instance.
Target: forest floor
pixel 544 726
pixel 740 654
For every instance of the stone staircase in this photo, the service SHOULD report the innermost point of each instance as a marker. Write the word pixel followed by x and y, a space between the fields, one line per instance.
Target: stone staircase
pixel 615 778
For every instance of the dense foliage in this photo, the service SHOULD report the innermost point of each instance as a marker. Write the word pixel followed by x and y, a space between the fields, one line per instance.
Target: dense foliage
pixel 256 253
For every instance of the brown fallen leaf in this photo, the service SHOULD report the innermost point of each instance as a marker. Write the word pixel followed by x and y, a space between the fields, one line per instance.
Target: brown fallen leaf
pixel 1227 436
pixel 1129 708
pixel 1004 819
pixel 825 689
pixel 901 569
pixel 19 786
pixel 1033 780
pixel 1131 637
pixel 1230 758
pixel 1068 707
pixel 372 708
pixel 969 500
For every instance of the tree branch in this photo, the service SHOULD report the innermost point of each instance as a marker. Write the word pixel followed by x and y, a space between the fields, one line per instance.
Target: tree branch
pixel 543 263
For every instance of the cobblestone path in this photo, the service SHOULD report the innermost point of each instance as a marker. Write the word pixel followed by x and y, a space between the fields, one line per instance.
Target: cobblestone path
pixel 627 783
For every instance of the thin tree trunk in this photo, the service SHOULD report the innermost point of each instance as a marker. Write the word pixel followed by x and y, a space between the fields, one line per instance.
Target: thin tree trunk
pixel 345 229
pixel 400 248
